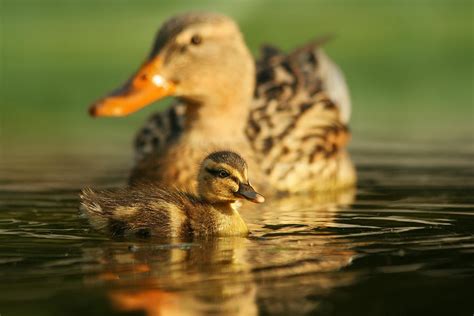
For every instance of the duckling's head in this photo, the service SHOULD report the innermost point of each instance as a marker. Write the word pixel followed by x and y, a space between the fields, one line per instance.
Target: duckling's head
pixel 223 178
pixel 201 57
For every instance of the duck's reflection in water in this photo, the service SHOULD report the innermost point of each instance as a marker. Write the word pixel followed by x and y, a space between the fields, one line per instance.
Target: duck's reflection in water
pixel 298 260
pixel 236 276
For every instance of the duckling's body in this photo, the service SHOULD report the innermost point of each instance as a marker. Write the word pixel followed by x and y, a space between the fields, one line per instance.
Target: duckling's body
pixel 288 113
pixel 150 210
pixel 160 213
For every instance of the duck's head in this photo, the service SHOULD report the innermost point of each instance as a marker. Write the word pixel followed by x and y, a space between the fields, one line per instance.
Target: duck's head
pixel 201 57
pixel 223 178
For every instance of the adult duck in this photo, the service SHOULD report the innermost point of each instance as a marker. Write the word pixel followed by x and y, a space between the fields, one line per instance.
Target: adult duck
pixel 287 113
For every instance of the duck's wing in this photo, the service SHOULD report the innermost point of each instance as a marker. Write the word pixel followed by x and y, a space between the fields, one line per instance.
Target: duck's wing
pixel 296 125
pixel 312 70
pixel 159 131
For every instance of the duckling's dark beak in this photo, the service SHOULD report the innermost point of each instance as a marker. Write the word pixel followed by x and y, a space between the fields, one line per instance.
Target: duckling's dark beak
pixel 145 87
pixel 247 192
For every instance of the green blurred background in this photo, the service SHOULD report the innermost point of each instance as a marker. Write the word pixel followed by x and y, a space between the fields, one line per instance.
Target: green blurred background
pixel 409 64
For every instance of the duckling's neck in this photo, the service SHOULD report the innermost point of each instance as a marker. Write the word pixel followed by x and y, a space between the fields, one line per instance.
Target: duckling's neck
pixel 224 219
pixel 226 208
pixel 229 222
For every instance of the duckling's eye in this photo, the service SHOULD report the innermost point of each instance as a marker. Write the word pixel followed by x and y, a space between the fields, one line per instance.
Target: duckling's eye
pixel 196 39
pixel 223 173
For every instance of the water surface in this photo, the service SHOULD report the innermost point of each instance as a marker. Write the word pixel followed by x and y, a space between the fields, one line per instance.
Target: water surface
pixel 402 243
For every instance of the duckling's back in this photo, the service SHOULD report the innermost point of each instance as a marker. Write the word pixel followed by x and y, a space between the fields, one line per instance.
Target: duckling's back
pixel 142 211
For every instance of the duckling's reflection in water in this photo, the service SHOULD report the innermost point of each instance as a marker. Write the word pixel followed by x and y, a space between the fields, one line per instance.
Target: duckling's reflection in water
pixel 202 277
pixel 235 275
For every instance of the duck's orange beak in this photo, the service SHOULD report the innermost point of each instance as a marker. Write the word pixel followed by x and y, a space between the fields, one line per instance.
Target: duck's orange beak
pixel 146 86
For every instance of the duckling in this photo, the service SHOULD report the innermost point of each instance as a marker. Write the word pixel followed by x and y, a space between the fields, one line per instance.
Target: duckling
pixel 154 211
pixel 287 113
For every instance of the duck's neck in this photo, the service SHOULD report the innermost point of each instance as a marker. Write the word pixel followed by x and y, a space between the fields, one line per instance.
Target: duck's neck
pixel 223 118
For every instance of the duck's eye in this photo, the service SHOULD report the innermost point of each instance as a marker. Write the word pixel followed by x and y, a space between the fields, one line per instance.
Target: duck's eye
pixel 196 39
pixel 223 173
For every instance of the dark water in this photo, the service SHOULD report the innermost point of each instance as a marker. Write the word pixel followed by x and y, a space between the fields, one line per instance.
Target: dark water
pixel 402 243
